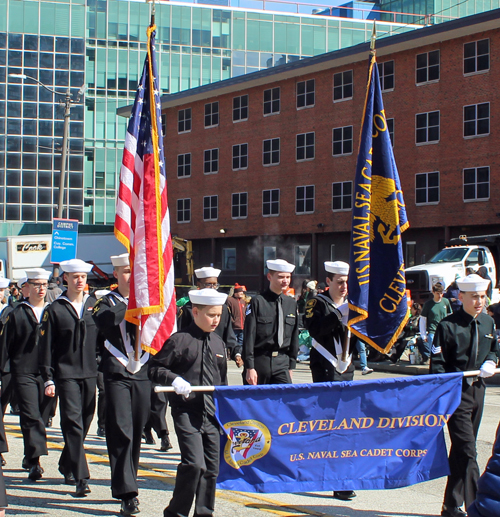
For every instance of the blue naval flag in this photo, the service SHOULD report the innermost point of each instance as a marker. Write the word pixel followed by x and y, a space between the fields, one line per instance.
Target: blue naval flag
pixel 357 435
pixel 377 284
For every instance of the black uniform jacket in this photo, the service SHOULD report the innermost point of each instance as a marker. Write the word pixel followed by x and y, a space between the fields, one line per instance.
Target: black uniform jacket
pixel 182 356
pixel 20 340
pixel 109 314
pixel 453 335
pixel 260 334
pixel 324 322
pixel 4 359
pixel 68 343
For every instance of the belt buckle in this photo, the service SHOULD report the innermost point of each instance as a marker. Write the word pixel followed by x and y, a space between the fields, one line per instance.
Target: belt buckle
pixel 275 354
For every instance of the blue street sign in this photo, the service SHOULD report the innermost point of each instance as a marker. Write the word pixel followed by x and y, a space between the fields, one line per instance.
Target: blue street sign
pixel 64 240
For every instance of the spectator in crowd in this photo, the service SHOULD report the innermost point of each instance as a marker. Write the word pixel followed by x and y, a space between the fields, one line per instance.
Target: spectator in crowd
pixel 408 334
pixel 451 294
pixel 433 312
pixel 483 273
pixel 237 305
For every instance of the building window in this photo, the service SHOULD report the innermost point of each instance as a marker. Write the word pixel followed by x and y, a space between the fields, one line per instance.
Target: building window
pixel 271 202
pixel 305 94
pixel 305 147
pixel 184 121
pixel 304 200
pixel 390 128
pixel 477 119
pixel 239 205
pixel 229 259
pixel 212 114
pixel 240 156
pixel 269 254
pixel 184 210
pixel 342 140
pixel 211 161
pixel 427 127
pixel 271 151
pixel 411 254
pixel 210 208
pixel 426 188
pixel 272 101
pixel 386 74
pixel 302 260
pixel 240 108
pixel 476 183
pixel 184 165
pixel 342 86
pixel 342 195
pixel 428 67
pixel 163 125
pixel 477 56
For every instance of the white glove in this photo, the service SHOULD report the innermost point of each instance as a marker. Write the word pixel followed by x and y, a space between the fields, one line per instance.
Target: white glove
pixel 133 366
pixel 487 369
pixel 181 387
pixel 343 365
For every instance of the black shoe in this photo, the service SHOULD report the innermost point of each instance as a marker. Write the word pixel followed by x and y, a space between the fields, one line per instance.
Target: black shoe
pixel 82 488
pixel 101 432
pixel 25 464
pixel 344 495
pixel 14 410
pixel 165 444
pixel 2 460
pixel 452 511
pixel 49 423
pixel 35 473
pixel 148 436
pixel 69 479
pixel 129 507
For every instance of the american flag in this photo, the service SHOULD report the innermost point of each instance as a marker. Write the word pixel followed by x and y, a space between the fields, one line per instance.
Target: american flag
pixel 142 221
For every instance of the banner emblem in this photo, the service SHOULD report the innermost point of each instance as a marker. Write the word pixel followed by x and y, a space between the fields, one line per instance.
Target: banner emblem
pixel 247 441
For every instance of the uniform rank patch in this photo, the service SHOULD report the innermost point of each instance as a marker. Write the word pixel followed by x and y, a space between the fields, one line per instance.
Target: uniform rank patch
pixel 312 302
pixel 249 310
pixel 46 316
pixel 310 307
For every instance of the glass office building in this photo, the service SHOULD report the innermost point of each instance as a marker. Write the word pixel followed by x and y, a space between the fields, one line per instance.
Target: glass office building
pixel 101 44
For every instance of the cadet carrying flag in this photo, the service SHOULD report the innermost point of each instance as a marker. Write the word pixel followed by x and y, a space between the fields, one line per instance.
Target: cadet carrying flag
pixel 377 285
pixel 142 220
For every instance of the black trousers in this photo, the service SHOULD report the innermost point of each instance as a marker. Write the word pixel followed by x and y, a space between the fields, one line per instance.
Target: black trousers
pixel 76 409
pixel 158 415
pixel 101 400
pixel 8 394
pixel 127 409
pixel 323 371
pixel 463 427
pixel 271 370
pixel 199 442
pixel 34 409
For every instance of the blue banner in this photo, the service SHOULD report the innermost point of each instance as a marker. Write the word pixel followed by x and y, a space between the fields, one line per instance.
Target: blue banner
pixel 377 284
pixel 359 435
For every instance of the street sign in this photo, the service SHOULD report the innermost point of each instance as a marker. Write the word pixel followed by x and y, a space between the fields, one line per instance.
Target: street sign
pixel 64 240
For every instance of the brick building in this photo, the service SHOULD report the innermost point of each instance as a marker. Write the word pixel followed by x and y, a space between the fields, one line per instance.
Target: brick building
pixel 263 164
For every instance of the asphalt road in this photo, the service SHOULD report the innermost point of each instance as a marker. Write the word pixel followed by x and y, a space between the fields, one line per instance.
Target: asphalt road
pixel 50 496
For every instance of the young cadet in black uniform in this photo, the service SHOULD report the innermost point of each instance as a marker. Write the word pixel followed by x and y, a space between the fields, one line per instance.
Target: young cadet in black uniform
pixel 464 341
pixel 271 331
pixel 127 388
pixel 5 372
pixel 325 319
pixel 68 346
pixel 20 338
pixel 194 356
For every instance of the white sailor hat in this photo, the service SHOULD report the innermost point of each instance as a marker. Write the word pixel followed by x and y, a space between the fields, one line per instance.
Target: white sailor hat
pixel 21 281
pixel 4 283
pixel 207 272
pixel 120 260
pixel 76 266
pixel 472 283
pixel 337 268
pixel 280 265
pixel 37 273
pixel 207 297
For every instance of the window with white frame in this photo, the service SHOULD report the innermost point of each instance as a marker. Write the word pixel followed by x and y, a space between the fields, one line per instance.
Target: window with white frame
pixel 304 199
pixel 305 94
pixel 477 119
pixel 427 188
pixel 342 86
pixel 271 202
pixel 212 114
pixel 427 67
pixel 427 127
pixel 271 151
pixel 240 108
pixel 211 161
pixel 476 183
pixel 305 146
pixel 342 195
pixel 184 121
pixel 390 128
pixel 342 141
pixel 239 205
pixel 210 208
pixel 184 210
pixel 272 101
pixel 477 56
pixel 184 165
pixel 386 75
pixel 240 156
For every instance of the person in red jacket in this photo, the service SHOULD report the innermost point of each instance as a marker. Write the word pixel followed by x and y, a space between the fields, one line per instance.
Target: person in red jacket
pixel 237 304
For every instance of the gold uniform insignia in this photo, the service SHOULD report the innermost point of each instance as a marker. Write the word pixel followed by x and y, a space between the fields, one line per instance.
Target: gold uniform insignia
pixel 45 316
pixel 310 307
